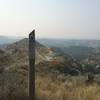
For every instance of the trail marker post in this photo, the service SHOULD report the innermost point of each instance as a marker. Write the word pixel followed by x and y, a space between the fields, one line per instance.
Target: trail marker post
pixel 32 65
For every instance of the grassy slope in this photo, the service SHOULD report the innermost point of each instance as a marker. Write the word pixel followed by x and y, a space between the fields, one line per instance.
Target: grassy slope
pixel 74 88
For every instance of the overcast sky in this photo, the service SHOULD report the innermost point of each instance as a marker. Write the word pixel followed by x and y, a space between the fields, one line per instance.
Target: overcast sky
pixel 51 18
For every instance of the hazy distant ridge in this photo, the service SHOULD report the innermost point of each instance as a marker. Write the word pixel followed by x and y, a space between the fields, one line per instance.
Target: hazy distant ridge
pixel 8 39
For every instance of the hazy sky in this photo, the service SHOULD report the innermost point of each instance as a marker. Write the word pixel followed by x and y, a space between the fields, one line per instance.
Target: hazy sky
pixel 51 18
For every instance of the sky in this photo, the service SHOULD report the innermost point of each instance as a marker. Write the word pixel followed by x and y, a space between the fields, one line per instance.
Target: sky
pixel 72 19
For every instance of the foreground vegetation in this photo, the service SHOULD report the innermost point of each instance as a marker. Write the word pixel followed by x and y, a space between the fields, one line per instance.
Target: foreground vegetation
pixel 67 88
pixel 13 86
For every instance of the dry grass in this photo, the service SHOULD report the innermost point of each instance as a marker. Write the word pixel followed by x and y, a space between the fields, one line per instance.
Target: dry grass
pixel 73 88
pixel 13 87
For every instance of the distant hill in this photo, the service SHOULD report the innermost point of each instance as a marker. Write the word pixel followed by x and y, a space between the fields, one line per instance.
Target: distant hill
pixel 77 52
pixel 77 49
pixel 46 58
pixel 51 59
pixel 19 49
pixel 8 39
pixel 69 42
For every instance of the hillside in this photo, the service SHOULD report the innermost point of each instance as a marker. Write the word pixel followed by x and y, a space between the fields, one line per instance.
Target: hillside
pixel 92 62
pixel 69 42
pixel 63 60
pixel 77 52
pixel 45 58
pixel 8 39
pixel 77 49
pixel 53 66
pixel 19 50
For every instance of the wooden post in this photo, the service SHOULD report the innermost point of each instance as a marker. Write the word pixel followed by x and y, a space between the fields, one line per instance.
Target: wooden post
pixel 32 65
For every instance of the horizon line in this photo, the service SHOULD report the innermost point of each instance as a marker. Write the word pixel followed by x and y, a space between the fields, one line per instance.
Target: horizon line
pixel 22 36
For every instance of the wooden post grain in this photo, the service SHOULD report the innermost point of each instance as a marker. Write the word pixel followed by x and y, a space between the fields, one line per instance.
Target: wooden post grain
pixel 32 65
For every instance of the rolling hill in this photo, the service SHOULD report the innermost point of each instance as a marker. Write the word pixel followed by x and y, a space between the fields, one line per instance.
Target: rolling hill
pixel 65 60
pixel 47 60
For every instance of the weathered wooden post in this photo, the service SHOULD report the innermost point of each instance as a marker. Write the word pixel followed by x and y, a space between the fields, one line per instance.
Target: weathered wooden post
pixel 32 65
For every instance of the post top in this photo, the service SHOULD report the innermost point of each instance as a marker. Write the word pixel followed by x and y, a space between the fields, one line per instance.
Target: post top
pixel 32 33
pixel 32 36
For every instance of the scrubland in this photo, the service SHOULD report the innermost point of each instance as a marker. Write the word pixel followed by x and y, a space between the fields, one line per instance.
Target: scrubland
pixel 67 88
